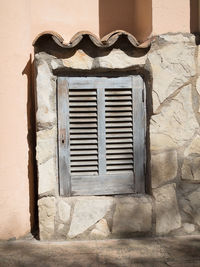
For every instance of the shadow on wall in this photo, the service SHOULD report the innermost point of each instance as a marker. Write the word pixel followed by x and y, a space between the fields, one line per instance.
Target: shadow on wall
pixel 31 138
pixel 194 16
pixel 134 16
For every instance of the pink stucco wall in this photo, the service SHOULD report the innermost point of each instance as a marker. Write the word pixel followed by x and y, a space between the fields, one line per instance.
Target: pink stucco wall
pixel 20 22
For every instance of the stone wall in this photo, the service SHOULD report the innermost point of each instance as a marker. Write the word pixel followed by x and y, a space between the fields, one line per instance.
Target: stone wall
pixel 171 70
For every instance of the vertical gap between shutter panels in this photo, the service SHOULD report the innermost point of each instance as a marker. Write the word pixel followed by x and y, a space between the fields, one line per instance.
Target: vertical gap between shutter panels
pixel 119 130
pixel 83 131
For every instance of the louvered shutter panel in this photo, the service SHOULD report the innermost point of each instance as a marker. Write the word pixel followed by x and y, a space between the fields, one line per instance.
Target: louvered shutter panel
pixel 97 123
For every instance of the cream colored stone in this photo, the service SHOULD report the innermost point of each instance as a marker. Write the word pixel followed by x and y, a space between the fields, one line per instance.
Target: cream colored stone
pixel 101 229
pixel 79 60
pixel 191 169
pixel 132 214
pixel 64 211
pixel 161 142
pixel 47 212
pixel 118 59
pixel 178 38
pixel 194 147
pixel 47 176
pixel 177 119
pixel 46 95
pixel 172 66
pixel 164 167
pixel 167 211
pixel 87 211
pixel 189 227
pixel 46 145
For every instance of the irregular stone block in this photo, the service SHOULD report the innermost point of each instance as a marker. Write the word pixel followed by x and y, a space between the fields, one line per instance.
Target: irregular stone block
pixel 87 212
pixel 46 145
pixel 189 228
pixel 172 66
pixel 101 229
pixel 177 119
pixel 161 141
pixel 47 173
pixel 194 147
pixel 47 213
pixel 132 215
pixel 46 95
pixel 167 211
pixel 194 203
pixel 164 167
pixel 191 169
pixel 64 211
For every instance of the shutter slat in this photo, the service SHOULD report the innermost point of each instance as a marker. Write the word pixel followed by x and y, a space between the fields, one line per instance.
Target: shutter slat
pixel 84 141
pixel 82 104
pixel 111 119
pixel 84 157
pixel 119 156
pixel 78 120
pixel 83 98
pixel 117 98
pixel 118 130
pixel 81 92
pixel 82 136
pixel 118 92
pixel 83 130
pixel 119 161
pixel 113 108
pixel 119 135
pixel 83 115
pixel 84 152
pixel 84 168
pixel 122 124
pixel 81 147
pixel 83 125
pixel 119 140
pixel 118 145
pixel 118 103
pixel 83 109
pixel 119 167
pixel 84 163
pixel 119 114
pixel 119 151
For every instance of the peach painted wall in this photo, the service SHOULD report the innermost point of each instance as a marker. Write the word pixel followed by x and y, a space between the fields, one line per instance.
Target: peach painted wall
pixel 20 22
pixel 170 16
pixel 15 44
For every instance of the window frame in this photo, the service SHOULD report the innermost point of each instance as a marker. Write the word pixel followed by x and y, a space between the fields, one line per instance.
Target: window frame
pixel 139 148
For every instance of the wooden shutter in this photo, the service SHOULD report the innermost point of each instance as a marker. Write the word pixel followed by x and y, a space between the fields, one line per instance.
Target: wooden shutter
pixel 98 120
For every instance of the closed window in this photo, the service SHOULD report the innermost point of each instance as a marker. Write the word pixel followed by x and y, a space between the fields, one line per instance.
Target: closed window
pixel 101 135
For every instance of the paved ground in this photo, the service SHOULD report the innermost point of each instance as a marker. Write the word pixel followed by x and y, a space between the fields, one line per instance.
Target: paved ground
pixel 149 252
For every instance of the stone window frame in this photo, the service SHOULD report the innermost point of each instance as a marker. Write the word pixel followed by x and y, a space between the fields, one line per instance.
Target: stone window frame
pixel 48 68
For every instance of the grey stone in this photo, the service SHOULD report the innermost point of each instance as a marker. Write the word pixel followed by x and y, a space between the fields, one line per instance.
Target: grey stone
pixel 87 211
pixel 46 144
pixel 167 211
pixel 189 228
pixel 194 202
pixel 191 169
pixel 164 167
pixel 132 214
pixel 177 119
pixel 47 173
pixel 64 211
pixel 194 147
pixel 47 213
pixel 46 95
pixel 115 59
pixel 172 65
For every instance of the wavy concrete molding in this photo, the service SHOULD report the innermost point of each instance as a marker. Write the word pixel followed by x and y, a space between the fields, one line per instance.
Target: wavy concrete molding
pixel 107 41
